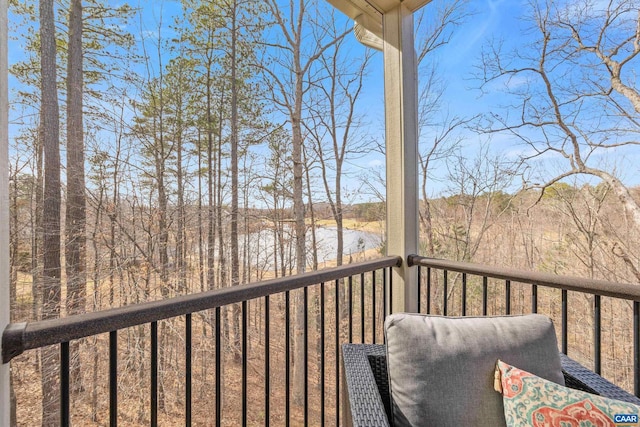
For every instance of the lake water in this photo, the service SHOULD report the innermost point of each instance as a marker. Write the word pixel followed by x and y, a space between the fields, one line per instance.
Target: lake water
pixel 354 242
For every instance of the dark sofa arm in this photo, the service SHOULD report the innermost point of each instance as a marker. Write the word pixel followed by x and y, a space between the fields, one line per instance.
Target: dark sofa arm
pixel 361 401
pixel 578 377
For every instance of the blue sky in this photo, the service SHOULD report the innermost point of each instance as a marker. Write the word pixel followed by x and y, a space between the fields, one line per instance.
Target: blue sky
pixel 456 63
pixel 459 61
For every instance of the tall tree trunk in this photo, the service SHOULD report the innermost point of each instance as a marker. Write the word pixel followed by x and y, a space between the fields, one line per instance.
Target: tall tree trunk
pixel 75 220
pixel 314 242
pixel 300 228
pixel 99 209
pixel 235 261
pixel 222 262
pixel 222 268
pixel 113 213
pixel 49 116
pixel 36 202
pixel 180 260
pixel 162 251
pixel 211 229
pixel 247 251
pixel 200 222
pixel 275 236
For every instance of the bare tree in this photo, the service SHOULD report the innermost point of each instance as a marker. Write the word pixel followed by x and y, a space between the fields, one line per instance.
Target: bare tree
pixel 439 145
pixel 288 76
pixel 333 123
pixel 437 129
pixel 476 189
pixel 583 208
pixel 573 90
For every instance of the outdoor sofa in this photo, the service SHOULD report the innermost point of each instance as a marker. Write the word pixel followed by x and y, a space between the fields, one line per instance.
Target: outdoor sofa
pixel 367 400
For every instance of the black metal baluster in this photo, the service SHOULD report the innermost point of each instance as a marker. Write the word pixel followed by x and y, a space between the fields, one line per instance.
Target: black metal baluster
pixel 64 384
pixel 113 378
pixel 445 290
pixel 373 302
pixel 384 297
pixel 267 388
pixel 350 302
pixel 507 296
pixel 287 359
pixel 636 348
pixel 362 308
pixel 597 335
pixel 305 341
pixel 564 321
pixel 419 287
pixel 322 364
pixel 390 290
pixel 337 339
pixel 154 374
pixel 485 292
pixel 244 361
pixel 534 298
pixel 218 357
pixel 464 294
pixel 187 368
pixel 428 290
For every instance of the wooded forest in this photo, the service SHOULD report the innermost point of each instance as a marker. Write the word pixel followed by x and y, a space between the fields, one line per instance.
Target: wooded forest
pixel 176 147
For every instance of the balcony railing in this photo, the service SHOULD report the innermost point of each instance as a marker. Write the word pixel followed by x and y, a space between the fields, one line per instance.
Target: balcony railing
pixel 353 295
pixel 338 305
pixel 481 286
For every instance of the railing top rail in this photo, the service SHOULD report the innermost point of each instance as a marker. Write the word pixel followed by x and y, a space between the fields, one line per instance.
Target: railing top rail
pixel 592 286
pixel 19 337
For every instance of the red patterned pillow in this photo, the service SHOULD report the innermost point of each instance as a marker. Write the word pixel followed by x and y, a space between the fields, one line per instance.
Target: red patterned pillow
pixel 533 401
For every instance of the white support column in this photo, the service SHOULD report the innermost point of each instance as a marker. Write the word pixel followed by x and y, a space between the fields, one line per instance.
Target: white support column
pixel 5 401
pixel 401 117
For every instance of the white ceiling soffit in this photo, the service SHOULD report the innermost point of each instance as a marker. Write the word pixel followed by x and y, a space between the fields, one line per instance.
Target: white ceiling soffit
pixel 355 8
pixel 367 15
pixel 374 8
pixel 387 5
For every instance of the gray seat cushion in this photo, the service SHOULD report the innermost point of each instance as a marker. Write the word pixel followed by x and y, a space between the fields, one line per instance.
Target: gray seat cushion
pixel 441 369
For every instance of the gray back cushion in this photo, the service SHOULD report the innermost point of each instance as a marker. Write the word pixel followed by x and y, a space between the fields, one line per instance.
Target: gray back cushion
pixel 441 369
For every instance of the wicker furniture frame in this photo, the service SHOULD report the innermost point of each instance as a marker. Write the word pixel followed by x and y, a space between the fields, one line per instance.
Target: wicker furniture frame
pixel 366 400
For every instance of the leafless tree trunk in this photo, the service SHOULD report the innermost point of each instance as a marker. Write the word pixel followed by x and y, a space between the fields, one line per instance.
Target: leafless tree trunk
pixel 75 220
pixel 235 249
pixel 49 117
pixel 211 218
pixel 179 129
pixel 36 201
pixel 201 247
pixel 220 225
pixel 95 299
pixel 312 214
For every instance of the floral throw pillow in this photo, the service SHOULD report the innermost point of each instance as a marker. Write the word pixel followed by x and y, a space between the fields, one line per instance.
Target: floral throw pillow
pixel 533 401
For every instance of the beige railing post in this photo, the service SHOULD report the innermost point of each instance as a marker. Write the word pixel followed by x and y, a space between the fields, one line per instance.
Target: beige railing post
pixel 5 401
pixel 401 117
